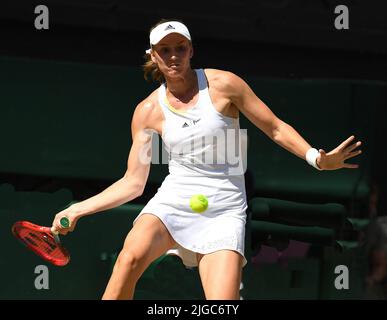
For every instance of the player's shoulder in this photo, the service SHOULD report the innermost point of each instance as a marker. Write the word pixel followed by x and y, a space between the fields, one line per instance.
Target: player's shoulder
pixel 217 74
pixel 146 107
pixel 222 79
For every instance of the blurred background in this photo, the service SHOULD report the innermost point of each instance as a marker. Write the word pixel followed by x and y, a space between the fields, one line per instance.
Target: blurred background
pixel 67 94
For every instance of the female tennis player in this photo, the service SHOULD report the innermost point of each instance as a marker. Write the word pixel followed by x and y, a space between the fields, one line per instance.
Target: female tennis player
pixel 192 104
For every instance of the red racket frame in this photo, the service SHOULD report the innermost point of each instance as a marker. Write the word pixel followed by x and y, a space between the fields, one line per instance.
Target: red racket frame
pixel 26 225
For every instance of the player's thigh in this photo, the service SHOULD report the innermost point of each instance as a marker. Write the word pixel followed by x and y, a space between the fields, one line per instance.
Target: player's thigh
pixel 148 239
pixel 220 273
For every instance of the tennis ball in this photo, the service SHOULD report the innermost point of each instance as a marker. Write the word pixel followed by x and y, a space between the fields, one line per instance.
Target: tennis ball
pixel 198 203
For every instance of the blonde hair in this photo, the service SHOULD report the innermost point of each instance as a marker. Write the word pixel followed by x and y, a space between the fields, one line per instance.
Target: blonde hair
pixel 151 70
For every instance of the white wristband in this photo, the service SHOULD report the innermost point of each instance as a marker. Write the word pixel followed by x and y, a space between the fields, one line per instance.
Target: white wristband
pixel 311 157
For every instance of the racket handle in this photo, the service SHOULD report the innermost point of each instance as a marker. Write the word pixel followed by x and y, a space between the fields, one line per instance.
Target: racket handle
pixel 64 222
pixel 55 233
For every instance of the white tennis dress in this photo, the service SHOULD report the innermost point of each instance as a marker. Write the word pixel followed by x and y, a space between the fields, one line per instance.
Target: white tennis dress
pixel 202 160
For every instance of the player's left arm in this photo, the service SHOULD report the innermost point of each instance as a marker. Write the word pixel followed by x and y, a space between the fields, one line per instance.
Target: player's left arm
pixel 281 132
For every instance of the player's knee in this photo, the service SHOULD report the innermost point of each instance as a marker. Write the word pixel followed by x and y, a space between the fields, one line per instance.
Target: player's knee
pixel 128 260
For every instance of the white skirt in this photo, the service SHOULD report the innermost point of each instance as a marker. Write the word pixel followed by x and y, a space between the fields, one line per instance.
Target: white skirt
pixel 220 227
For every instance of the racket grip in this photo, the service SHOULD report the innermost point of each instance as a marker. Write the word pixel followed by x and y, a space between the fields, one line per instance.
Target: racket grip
pixel 64 222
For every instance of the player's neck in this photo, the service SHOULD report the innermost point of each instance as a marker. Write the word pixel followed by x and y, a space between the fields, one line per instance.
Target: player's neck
pixel 181 86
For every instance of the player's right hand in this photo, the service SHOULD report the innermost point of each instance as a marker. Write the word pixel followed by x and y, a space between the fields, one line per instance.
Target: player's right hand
pixel 71 214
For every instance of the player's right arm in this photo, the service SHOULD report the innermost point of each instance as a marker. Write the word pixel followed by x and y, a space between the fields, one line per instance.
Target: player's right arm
pixel 133 182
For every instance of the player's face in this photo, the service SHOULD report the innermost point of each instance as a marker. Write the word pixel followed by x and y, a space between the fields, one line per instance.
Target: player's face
pixel 172 54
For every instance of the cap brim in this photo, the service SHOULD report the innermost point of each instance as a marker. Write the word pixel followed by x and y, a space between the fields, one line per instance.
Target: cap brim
pixel 164 34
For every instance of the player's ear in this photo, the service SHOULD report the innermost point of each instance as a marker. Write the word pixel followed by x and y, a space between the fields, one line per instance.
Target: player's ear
pixel 191 52
pixel 153 57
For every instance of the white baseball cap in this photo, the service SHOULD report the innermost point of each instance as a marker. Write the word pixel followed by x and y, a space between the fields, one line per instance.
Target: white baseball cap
pixel 164 29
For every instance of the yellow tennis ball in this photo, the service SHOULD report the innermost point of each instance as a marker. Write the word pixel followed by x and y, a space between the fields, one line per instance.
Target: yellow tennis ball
pixel 198 203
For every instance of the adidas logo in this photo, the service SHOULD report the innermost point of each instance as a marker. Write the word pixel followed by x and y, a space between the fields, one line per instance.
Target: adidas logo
pixel 192 122
pixel 169 27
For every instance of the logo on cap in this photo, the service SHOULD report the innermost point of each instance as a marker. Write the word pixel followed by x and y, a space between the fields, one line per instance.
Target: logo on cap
pixel 169 27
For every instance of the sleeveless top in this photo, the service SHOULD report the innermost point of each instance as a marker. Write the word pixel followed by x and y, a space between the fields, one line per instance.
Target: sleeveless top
pixel 200 140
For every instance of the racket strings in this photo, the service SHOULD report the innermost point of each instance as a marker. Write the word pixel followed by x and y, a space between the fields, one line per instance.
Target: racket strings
pixel 42 242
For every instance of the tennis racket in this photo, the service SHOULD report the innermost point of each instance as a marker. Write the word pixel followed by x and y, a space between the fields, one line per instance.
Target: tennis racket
pixel 44 241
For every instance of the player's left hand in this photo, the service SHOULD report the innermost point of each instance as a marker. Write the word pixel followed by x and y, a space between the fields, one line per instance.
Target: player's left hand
pixel 335 159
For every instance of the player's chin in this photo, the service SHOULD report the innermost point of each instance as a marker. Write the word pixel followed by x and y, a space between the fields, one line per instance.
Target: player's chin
pixel 175 70
pixel 174 74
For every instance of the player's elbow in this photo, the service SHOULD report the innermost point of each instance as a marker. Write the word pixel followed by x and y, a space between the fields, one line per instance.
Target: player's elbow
pixel 283 132
pixel 139 188
pixel 135 184
pixel 275 131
